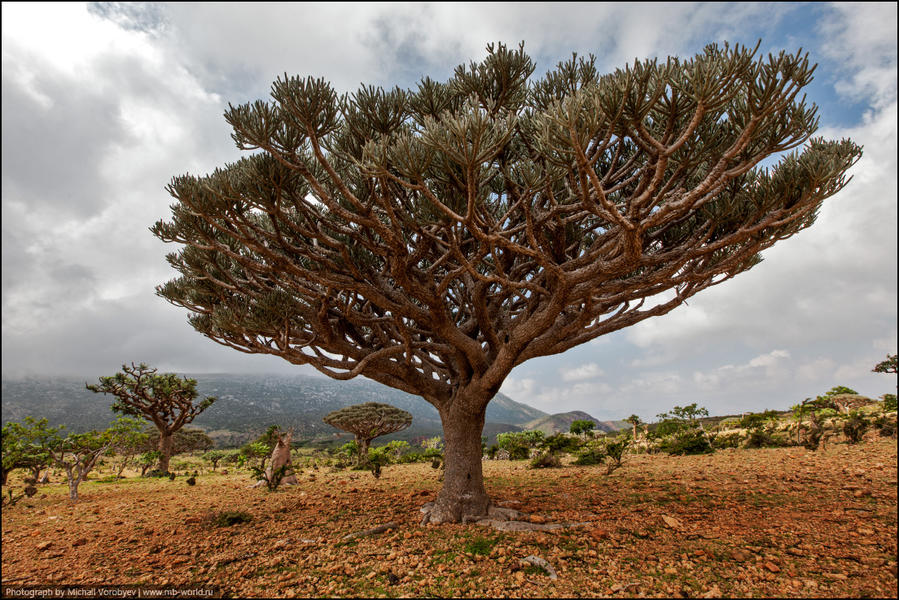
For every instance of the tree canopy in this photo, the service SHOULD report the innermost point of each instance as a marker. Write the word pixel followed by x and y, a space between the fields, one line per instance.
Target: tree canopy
pixel 368 421
pixel 886 366
pixel 433 239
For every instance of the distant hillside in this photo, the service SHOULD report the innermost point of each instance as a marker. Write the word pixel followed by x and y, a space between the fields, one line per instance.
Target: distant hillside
pixel 561 423
pixel 247 404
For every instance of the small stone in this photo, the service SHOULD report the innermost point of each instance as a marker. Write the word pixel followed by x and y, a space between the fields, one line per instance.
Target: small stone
pixel 79 542
pixel 44 546
pixel 672 522
pixel 772 567
pixel 740 555
pixel 536 519
pixel 599 534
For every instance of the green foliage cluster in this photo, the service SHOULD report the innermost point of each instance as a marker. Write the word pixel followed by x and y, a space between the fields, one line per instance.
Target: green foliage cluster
pixel 608 451
pixel 581 427
pixel 680 431
pixel 228 518
pixel 520 443
pixel 26 445
pixel 855 426
pixel 889 403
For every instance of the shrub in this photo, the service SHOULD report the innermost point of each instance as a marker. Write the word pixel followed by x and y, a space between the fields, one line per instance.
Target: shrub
pixel 546 460
pixel 855 427
pixel 889 403
pixel 228 518
pixel 519 443
pixel 560 442
pixel 726 440
pixel 590 455
pixel 686 442
pixel 886 427
pixel 615 451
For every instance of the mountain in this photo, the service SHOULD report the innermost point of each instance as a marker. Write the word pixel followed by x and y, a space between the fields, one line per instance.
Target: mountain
pixel 247 404
pixel 561 422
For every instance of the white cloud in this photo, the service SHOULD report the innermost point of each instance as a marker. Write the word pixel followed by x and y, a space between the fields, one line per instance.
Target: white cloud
pixel 587 371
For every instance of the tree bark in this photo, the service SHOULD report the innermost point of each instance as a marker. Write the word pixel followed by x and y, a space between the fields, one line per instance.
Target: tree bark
pixel 166 440
pixel 363 443
pixel 463 493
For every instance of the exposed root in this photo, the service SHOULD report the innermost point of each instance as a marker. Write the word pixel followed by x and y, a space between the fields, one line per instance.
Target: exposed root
pixel 372 531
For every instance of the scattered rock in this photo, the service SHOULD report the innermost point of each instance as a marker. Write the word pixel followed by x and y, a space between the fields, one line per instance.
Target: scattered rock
pixel 672 522
pixel 79 542
pixel 772 567
pixel 536 519
pixel 740 555
pixel 44 546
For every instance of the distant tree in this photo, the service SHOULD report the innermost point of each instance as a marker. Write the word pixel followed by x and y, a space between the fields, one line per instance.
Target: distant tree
pixel 128 447
pixel 368 421
pixel 214 456
pixel 634 420
pixel 78 453
pixel 435 239
pixel 581 426
pixel 839 390
pixel 165 400
pixel 26 445
pixel 886 366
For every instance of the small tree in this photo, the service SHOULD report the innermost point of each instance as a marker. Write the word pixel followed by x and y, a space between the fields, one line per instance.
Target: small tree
pixel 165 400
pixel 634 420
pixel 581 427
pixel 214 456
pixel 27 445
pixel 368 421
pixel 78 453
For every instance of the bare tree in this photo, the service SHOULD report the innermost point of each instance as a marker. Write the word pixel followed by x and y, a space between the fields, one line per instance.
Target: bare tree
pixel 434 239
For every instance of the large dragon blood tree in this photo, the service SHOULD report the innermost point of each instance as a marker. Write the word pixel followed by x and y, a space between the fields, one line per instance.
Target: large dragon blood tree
pixel 434 239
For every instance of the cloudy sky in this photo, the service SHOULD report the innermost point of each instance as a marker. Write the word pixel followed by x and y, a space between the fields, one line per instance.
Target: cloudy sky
pixel 104 103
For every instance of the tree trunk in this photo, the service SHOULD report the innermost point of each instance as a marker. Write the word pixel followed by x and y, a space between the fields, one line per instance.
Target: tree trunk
pixel 363 444
pixel 463 491
pixel 73 481
pixel 166 440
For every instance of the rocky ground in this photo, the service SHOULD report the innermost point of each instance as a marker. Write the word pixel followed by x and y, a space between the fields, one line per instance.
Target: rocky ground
pixel 782 522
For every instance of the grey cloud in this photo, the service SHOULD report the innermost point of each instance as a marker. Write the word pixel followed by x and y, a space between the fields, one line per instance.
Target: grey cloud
pixel 52 155
pixel 148 17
